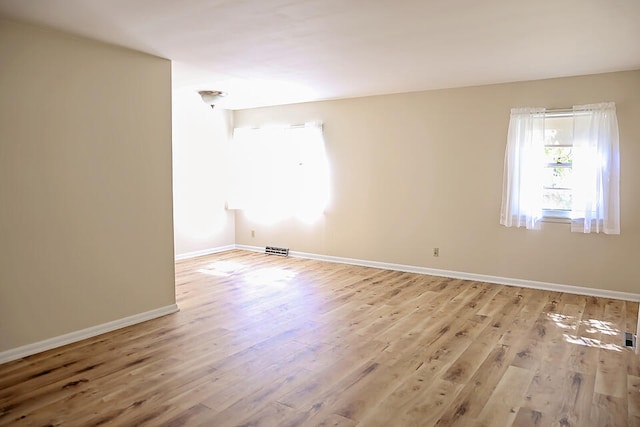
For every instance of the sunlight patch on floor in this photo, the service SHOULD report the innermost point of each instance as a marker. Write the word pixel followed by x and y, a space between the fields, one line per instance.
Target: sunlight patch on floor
pixel 563 321
pixel 222 268
pixel 592 326
pixel 272 277
pixel 591 342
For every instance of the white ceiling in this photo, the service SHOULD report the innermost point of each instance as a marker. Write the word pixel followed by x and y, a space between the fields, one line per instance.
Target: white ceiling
pixel 266 52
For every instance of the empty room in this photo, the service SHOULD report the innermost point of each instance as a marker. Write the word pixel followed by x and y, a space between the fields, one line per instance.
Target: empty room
pixel 319 213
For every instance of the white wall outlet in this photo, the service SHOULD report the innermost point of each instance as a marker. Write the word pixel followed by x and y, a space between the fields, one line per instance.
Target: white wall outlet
pixel 436 251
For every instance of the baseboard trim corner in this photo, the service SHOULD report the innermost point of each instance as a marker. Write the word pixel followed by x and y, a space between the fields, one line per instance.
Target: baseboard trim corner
pixel 48 344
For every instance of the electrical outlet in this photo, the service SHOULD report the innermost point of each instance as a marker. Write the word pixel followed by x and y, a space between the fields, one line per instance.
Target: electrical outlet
pixel 436 251
pixel 253 233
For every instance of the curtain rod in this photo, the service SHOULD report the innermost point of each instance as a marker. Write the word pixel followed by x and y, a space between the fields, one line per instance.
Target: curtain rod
pixel 559 110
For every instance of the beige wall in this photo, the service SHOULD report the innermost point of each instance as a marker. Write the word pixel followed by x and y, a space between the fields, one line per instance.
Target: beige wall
pixel 85 184
pixel 200 143
pixel 415 171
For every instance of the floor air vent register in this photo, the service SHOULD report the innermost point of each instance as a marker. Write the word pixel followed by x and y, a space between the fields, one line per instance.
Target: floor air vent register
pixel 274 250
pixel 629 340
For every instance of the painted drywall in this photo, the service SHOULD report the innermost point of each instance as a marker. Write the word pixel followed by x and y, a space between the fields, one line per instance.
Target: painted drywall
pixel 85 184
pixel 410 172
pixel 200 144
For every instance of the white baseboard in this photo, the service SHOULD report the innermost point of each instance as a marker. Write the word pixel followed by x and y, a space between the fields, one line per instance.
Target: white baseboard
pixel 638 333
pixel 555 287
pixel 29 349
pixel 48 344
pixel 202 252
pixel 255 249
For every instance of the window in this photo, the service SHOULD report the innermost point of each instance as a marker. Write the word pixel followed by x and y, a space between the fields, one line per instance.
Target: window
pixel 279 172
pixel 563 164
pixel 557 184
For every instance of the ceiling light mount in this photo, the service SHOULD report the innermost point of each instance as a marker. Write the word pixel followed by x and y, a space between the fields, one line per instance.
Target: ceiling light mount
pixel 210 97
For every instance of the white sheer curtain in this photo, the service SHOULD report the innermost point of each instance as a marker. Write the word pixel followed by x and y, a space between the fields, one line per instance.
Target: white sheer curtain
pixel 522 180
pixel 596 169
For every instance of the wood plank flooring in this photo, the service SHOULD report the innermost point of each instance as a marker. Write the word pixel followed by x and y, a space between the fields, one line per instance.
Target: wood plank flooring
pixel 269 341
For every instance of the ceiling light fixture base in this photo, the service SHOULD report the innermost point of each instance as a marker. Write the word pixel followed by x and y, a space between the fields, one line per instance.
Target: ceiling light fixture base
pixel 210 97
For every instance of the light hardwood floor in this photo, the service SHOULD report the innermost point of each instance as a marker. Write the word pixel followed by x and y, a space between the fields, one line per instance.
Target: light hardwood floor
pixel 269 341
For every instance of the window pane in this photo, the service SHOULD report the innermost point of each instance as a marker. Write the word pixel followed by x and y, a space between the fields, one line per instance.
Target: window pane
pixel 557 178
pixel 558 130
pixel 558 155
pixel 556 199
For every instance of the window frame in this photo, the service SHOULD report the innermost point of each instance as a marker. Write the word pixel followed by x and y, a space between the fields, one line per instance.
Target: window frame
pixel 595 179
pixel 557 215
